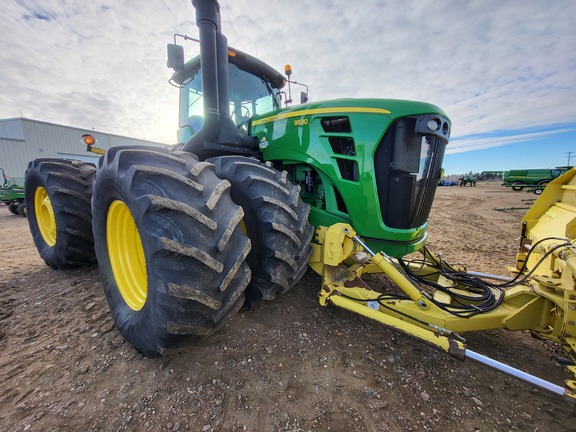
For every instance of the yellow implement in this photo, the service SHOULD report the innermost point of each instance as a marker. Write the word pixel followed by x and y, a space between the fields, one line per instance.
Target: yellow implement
pixel 437 301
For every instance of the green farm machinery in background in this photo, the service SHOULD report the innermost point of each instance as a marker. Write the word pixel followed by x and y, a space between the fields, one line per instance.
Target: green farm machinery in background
pixel 468 180
pixel 12 194
pixel 534 180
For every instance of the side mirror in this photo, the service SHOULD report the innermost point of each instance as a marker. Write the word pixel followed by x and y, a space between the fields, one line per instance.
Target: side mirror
pixel 303 97
pixel 175 57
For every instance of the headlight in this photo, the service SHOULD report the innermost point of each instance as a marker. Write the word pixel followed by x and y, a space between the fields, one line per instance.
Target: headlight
pixel 433 124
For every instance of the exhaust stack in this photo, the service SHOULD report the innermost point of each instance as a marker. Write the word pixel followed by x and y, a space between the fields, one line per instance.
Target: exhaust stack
pixel 218 134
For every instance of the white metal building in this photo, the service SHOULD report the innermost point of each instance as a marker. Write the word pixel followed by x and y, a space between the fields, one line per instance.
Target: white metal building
pixel 23 140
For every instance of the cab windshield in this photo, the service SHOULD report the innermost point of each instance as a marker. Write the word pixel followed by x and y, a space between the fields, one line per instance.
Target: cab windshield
pixel 249 95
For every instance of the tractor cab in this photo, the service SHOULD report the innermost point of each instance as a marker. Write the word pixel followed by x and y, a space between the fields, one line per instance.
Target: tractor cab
pixel 254 89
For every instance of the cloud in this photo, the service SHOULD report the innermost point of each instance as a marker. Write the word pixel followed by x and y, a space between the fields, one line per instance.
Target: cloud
pixel 469 143
pixel 491 65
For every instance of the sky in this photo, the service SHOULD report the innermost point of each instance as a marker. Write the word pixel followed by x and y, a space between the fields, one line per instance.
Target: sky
pixel 503 70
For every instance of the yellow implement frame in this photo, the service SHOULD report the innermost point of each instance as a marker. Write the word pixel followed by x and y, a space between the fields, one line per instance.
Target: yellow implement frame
pixel 541 298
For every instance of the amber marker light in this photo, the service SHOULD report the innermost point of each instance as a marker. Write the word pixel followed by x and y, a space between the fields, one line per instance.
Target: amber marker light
pixel 88 139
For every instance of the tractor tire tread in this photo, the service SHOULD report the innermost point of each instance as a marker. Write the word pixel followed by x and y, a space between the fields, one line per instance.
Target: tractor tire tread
pixel 196 280
pixel 276 221
pixel 69 187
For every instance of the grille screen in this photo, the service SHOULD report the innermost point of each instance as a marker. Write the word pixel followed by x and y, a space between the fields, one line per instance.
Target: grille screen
pixel 408 165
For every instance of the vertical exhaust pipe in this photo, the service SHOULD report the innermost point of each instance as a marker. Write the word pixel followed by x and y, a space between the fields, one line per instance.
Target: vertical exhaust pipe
pixel 218 127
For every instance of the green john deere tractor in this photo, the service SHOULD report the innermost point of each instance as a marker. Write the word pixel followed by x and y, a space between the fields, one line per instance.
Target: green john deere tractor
pixel 255 192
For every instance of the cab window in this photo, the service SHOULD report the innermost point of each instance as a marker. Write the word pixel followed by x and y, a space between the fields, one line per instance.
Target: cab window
pixel 249 95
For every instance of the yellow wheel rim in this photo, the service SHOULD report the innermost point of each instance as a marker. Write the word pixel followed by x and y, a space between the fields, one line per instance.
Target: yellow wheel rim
pixel 126 255
pixel 243 227
pixel 45 216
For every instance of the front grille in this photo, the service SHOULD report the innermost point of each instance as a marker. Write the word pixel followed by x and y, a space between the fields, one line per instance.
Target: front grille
pixel 408 162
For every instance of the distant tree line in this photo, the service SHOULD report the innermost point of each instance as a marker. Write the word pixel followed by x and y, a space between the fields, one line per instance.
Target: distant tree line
pixel 482 176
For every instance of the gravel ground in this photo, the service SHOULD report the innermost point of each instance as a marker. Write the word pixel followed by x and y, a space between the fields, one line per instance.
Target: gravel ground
pixel 290 365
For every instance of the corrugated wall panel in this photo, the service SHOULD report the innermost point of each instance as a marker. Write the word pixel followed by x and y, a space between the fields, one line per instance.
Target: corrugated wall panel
pixel 14 157
pixel 11 129
pixel 46 140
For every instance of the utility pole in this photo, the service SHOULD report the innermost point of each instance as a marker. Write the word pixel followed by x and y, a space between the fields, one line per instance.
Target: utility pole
pixel 569 155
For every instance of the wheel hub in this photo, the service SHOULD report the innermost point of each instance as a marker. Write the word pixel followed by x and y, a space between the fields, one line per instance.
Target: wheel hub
pixel 45 216
pixel 126 255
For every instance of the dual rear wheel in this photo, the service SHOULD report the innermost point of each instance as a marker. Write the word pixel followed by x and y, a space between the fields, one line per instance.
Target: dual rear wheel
pixel 57 195
pixel 176 239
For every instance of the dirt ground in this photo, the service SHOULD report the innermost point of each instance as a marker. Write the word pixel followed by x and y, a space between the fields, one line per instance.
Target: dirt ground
pixel 290 365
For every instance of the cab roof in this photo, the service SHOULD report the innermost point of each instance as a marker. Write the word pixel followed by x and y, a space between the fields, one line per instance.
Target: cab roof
pixel 243 61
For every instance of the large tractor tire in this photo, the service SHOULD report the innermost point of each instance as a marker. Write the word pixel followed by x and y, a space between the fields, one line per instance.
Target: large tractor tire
pixel 13 208
pixel 22 209
pixel 275 220
pixel 170 248
pixel 57 195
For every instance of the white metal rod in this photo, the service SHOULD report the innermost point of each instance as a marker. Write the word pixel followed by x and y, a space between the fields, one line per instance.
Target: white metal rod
pixel 539 382
pixel 366 247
